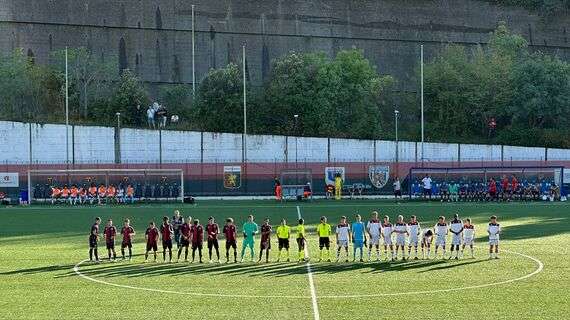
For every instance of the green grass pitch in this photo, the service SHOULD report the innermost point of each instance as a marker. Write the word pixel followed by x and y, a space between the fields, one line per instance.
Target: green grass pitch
pixel 39 247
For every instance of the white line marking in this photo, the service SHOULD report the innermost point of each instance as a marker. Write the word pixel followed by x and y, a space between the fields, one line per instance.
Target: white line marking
pixel 535 272
pixel 76 270
pixel 310 275
pixel 538 270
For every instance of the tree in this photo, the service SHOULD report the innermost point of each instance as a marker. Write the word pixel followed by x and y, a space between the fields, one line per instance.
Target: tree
pixel 333 98
pixel 129 98
pixel 219 105
pixel 178 100
pixel 89 77
pixel 27 91
pixel 294 89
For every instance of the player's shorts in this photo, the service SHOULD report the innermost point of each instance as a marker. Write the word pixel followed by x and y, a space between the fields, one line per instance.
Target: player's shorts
pixel 375 240
pixel 388 241
pixel 427 192
pixel 342 243
pixel 231 244
pixel 440 241
pixel 177 237
pixel 248 243
pixel 468 241
pixel 426 241
pixel 301 243
pixel 92 241
pixel 494 242
pixel 401 240
pixel 413 241
pixel 456 239
pixel 324 242
pixel 265 245
pixel 397 193
pixel 197 245
pixel 283 243
pixel 184 242
pixel 151 246
pixel 358 243
pixel 126 244
pixel 213 243
pixel 167 244
pixel 110 245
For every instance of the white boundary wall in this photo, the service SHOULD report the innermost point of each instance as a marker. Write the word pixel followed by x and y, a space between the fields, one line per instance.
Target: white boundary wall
pixel 22 142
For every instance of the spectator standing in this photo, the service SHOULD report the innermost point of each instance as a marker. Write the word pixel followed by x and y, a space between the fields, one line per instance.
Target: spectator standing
pixel 161 115
pixel 150 117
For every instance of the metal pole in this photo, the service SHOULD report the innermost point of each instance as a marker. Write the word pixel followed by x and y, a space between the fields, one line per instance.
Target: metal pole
pixel 296 137
pixel 118 120
pixel 66 110
pixel 422 95
pixel 396 116
pixel 244 109
pixel 193 56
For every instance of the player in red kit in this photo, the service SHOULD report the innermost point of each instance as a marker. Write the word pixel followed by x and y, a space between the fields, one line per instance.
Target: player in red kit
pixel 128 233
pixel 110 232
pixel 505 186
pixel 167 234
pixel 93 239
pixel 185 238
pixel 197 234
pixel 212 230
pixel 230 232
pixel 151 235
pixel 265 240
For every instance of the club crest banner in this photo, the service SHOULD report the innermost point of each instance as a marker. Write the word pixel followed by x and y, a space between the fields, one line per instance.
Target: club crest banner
pixel 331 172
pixel 9 179
pixel 379 175
pixel 232 177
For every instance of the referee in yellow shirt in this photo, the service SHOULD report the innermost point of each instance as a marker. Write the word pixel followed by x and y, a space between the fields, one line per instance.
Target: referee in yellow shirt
pixel 324 231
pixel 283 235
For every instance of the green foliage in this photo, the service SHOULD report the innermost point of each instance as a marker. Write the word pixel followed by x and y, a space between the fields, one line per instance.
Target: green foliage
pixel 129 99
pixel 90 79
pixel 219 106
pixel 332 98
pixel 528 94
pixel 178 100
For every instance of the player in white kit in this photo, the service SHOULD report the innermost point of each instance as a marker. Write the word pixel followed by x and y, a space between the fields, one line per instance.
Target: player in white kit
pixel 494 230
pixel 427 239
pixel 441 231
pixel 387 230
pixel 342 237
pixel 468 236
pixel 374 228
pixel 401 231
pixel 414 231
pixel 456 228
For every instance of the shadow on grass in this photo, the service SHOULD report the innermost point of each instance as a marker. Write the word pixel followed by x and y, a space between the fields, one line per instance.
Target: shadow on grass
pixel 134 270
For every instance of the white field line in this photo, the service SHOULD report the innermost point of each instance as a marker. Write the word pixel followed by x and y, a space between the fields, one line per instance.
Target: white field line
pixel 540 267
pixel 310 275
pixel 218 295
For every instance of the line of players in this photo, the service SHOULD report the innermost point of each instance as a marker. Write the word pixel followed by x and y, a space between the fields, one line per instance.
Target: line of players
pixel 505 190
pixel 101 194
pixel 374 234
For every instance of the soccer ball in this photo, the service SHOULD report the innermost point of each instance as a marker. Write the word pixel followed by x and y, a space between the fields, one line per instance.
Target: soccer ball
pixel 174 118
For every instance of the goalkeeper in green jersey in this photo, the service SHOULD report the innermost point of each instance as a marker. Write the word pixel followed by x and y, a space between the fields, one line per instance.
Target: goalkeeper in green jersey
pixel 250 229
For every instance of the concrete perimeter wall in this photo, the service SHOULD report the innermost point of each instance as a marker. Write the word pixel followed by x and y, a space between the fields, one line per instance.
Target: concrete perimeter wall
pixel 22 143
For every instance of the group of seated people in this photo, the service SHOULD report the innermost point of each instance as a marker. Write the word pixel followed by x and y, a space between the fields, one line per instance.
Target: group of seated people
pixel 108 194
pixel 503 189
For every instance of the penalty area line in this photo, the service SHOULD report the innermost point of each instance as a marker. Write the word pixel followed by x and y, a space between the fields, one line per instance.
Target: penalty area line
pixel 310 276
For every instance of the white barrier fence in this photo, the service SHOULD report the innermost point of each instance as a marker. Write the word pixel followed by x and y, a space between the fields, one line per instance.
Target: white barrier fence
pixel 35 143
